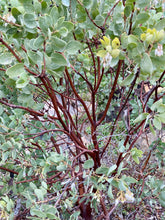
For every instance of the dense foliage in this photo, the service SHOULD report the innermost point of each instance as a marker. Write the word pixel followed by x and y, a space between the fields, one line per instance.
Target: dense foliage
pixel 81 82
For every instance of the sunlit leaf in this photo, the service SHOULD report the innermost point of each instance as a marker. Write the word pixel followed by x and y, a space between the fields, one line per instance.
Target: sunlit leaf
pixel 146 65
pixel 29 20
pixel 102 170
pixel 66 2
pixel 157 123
pixel 15 71
pixel 73 46
pixel 127 81
pixel 110 194
pixel 141 117
pixel 6 58
pixel 59 59
pixel 88 164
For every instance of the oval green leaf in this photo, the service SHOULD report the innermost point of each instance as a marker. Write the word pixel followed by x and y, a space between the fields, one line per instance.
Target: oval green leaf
pixel 141 117
pixel 88 164
pixel 15 71
pixel 102 170
pixel 6 58
pixel 146 65
pixel 29 20
pixel 58 43
pixel 59 59
pixel 127 81
pixel 73 46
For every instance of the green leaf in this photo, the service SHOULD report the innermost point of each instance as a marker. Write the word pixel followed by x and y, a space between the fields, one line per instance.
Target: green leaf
pixel 130 180
pixel 54 14
pixel 102 170
pixel 121 185
pixel 60 21
pixel 1 109
pixel 84 58
pixel 69 25
pixel 136 154
pixel 127 10
pixel 38 41
pixel 29 20
pixel 59 59
pixel 162 198
pixel 141 18
pixel 6 58
pixel 75 215
pixel 131 41
pixel 142 4
pixel 28 6
pixel 63 31
pixel 155 106
pixel 81 14
pixel 146 65
pixel 22 81
pixel 55 157
pixel 16 12
pixel 120 168
pixel 50 215
pixel 15 71
pixel 152 129
pixel 39 194
pixel 111 169
pixel 99 20
pixel 5 156
pixel 73 46
pixel 110 194
pixel 34 57
pixel 87 3
pixel 141 117
pixel 88 164
pixel 61 167
pixel 32 185
pixel 34 211
pixel 160 24
pixel 136 159
pixel 162 117
pixel 101 53
pixel 161 108
pixel 59 44
pixel 127 81
pixel 44 184
pixel 157 123
pixel 37 7
pixel 66 2
pixel 162 202
pixel 43 24
pixel 124 40
pixel 10 205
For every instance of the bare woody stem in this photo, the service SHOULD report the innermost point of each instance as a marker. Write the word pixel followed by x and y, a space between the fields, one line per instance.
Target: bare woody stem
pixel 109 13
pixel 129 93
pixel 53 97
pixel 10 49
pixel 8 170
pixel 101 28
pixel 111 93
pixel 120 158
pixel 9 22
pixel 130 28
pixel 77 95
pixel 16 56
pixel 31 111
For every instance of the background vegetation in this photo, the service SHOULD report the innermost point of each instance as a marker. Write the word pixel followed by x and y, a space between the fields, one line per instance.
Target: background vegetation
pixel 82 84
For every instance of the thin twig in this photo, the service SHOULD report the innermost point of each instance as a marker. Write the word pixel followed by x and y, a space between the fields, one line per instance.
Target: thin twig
pixel 10 22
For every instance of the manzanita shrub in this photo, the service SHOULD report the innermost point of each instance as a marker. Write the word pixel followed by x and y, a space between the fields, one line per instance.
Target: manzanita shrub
pixel 81 82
